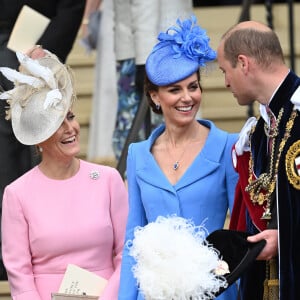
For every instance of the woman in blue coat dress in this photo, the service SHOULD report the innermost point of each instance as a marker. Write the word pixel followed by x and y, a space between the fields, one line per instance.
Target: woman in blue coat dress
pixel 184 168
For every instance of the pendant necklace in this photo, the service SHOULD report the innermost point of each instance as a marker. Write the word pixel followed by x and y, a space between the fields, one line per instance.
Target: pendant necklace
pixel 176 164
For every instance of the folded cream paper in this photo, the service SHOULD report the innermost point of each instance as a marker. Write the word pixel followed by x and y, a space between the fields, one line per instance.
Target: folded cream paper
pixel 59 296
pixel 28 28
pixel 78 281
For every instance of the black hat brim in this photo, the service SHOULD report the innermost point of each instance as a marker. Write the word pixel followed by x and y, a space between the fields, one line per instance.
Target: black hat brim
pixel 236 251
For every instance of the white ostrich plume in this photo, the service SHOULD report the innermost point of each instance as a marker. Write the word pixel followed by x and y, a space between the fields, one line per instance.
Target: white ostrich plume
pixel 174 261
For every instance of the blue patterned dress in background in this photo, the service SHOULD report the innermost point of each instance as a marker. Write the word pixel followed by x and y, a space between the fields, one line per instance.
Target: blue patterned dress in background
pixel 128 102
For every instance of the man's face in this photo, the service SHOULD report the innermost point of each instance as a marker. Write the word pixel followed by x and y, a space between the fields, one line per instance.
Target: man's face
pixel 235 78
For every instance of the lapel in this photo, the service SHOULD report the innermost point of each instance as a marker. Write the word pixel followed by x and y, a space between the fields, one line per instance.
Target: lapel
pixel 259 139
pixel 207 161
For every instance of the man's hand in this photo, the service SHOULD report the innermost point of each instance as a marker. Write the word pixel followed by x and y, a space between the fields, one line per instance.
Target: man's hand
pixel 271 248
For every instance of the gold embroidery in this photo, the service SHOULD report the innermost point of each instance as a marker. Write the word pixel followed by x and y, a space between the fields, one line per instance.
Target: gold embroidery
pixel 261 188
pixel 290 166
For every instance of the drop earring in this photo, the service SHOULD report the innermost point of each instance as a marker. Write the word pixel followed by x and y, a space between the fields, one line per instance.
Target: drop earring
pixel 157 106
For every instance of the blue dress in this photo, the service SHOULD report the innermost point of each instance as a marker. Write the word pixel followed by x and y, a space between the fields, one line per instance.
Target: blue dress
pixel 204 194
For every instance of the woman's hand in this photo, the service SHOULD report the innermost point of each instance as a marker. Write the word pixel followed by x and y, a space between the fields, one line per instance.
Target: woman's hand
pixel 36 52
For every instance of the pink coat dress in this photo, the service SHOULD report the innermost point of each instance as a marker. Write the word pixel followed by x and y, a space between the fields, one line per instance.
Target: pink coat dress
pixel 47 224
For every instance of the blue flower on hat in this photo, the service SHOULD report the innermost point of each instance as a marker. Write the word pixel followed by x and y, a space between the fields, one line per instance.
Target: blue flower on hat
pixel 181 50
pixel 190 40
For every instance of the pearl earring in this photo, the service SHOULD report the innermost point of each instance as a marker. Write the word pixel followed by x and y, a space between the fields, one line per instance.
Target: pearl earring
pixel 40 149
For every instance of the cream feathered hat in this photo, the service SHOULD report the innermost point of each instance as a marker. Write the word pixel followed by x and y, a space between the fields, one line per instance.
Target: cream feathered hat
pixel 42 95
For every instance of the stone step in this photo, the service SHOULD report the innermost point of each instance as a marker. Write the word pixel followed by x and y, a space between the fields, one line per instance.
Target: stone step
pixel 4 290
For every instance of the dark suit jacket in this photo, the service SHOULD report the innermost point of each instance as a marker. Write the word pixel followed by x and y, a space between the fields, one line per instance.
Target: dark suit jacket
pixel 65 15
pixel 288 190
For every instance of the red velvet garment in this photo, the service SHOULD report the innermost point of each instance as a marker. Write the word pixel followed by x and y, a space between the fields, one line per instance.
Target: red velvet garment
pixel 242 199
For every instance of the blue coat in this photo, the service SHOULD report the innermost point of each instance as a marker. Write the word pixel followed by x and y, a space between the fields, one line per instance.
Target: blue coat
pixel 204 193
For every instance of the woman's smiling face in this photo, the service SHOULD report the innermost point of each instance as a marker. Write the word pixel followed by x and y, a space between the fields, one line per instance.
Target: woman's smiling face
pixel 179 101
pixel 64 143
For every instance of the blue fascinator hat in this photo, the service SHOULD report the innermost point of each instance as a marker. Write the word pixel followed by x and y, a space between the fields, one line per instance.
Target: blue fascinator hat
pixel 181 50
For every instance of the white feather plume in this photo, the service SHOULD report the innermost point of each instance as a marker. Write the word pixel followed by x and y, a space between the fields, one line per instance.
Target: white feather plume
pixel 296 99
pixel 53 98
pixel 173 261
pixel 36 69
pixel 17 77
pixel 5 96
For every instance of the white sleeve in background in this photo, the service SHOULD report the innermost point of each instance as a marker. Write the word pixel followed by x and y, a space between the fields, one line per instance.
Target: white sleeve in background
pixel 151 17
pixel 124 40
pixel 145 23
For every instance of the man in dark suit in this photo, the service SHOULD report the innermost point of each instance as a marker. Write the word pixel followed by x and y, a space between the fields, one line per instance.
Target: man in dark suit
pixel 65 19
pixel 267 158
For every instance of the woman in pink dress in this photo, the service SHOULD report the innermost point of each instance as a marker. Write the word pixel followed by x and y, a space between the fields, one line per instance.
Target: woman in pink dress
pixel 65 210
